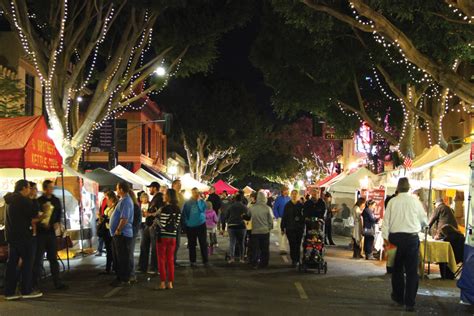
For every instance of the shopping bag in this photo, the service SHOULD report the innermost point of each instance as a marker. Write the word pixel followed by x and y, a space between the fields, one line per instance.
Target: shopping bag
pixel 391 252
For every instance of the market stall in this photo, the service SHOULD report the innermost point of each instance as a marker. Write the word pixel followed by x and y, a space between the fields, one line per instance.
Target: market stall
pixel 24 146
pixel 222 186
pixel 344 187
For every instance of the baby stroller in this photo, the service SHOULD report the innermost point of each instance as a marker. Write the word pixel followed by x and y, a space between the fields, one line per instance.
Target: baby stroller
pixel 313 247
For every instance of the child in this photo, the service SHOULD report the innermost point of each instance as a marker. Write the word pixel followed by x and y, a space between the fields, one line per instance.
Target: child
pixel 211 224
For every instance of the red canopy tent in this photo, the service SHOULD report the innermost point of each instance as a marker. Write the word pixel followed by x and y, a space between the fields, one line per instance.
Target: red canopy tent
pixel 222 186
pixel 322 182
pixel 24 143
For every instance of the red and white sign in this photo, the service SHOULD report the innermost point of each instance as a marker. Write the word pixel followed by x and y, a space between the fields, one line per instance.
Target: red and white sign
pixel 378 195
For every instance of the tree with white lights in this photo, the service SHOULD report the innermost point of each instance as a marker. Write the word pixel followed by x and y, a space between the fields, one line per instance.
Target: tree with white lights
pixel 105 53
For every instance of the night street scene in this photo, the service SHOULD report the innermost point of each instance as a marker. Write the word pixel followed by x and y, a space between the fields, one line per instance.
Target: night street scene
pixel 236 157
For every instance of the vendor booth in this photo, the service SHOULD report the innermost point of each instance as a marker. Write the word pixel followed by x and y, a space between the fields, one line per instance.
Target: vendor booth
pixel 344 187
pixel 24 146
pixel 222 186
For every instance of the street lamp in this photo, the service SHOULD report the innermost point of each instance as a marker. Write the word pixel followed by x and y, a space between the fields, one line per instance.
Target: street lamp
pixel 172 170
pixel 160 71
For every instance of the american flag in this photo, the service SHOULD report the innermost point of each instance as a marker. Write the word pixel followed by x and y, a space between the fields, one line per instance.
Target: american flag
pixel 408 162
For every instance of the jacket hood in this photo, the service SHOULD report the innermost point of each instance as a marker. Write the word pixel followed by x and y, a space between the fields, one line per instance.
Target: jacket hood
pixel 9 197
pixel 261 198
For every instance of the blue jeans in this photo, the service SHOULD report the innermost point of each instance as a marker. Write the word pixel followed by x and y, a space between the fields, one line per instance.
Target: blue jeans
pixel 237 238
pixel 16 251
pixel 100 247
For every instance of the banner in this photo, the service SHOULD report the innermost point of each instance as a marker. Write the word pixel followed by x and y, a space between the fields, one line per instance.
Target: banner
pixel 378 195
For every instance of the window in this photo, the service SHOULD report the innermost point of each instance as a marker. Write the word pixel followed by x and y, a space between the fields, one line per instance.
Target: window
pixel 157 141
pixel 121 135
pixel 29 94
pixel 143 140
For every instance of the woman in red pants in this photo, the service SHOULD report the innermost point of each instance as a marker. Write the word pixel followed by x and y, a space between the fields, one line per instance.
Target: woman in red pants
pixel 167 223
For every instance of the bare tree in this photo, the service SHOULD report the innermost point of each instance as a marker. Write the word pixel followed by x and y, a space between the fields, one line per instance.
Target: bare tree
pixel 205 161
pixel 65 57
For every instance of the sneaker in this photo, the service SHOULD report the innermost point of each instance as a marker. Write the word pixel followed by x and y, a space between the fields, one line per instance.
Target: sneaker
pixel 230 261
pixel 12 297
pixel 118 283
pixel 34 294
pixel 151 272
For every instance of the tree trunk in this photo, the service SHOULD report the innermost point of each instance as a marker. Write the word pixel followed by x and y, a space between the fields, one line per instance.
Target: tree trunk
pixel 406 143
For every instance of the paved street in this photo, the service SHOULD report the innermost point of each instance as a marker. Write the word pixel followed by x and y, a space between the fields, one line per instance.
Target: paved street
pixel 351 286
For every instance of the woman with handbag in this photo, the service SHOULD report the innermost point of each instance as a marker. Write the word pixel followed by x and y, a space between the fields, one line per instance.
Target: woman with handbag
pixel 369 221
pixel 357 227
pixel 104 230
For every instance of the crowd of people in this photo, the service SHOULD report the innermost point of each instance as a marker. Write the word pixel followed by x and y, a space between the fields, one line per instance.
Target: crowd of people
pixel 33 224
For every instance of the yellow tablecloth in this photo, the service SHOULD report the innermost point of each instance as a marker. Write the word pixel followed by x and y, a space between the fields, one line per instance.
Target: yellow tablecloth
pixel 438 251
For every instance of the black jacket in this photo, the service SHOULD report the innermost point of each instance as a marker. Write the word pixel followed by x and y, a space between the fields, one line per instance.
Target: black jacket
pixel 292 218
pixel 155 204
pixel 216 202
pixel 457 242
pixel 369 218
pixel 55 216
pixel 442 215
pixel 19 213
pixel 236 214
pixel 313 209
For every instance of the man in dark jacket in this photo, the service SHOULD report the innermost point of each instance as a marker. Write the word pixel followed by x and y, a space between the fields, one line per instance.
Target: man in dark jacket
pixel 442 215
pixel 19 214
pixel 292 225
pixel 51 209
pixel 215 200
pixel 315 206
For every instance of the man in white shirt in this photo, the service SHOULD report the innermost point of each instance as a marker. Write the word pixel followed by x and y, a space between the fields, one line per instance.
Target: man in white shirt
pixel 404 219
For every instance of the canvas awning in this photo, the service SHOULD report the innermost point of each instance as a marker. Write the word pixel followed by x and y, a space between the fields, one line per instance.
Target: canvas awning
pixel 188 183
pixel 222 186
pixel 164 179
pixel 104 178
pixel 137 181
pixel 25 144
pixel 148 177
pixel 433 153
pixel 449 172
pixel 248 190
pixel 354 181
pixel 324 181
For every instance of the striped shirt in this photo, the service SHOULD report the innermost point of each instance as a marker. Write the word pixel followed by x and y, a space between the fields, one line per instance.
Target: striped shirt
pixel 169 218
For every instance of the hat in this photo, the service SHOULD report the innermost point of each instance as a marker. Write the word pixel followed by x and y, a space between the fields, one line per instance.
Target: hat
pixel 154 184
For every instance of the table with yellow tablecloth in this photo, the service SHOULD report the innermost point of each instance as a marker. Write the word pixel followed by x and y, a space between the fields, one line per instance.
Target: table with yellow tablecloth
pixel 438 251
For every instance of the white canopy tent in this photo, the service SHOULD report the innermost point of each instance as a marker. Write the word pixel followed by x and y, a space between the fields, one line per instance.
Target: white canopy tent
pixel 433 153
pixel 138 182
pixel 352 182
pixel 344 187
pixel 188 183
pixel 148 177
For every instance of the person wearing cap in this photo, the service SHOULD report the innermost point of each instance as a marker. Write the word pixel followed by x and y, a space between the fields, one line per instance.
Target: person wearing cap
pixel 442 215
pixel 404 219
pixel 148 237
